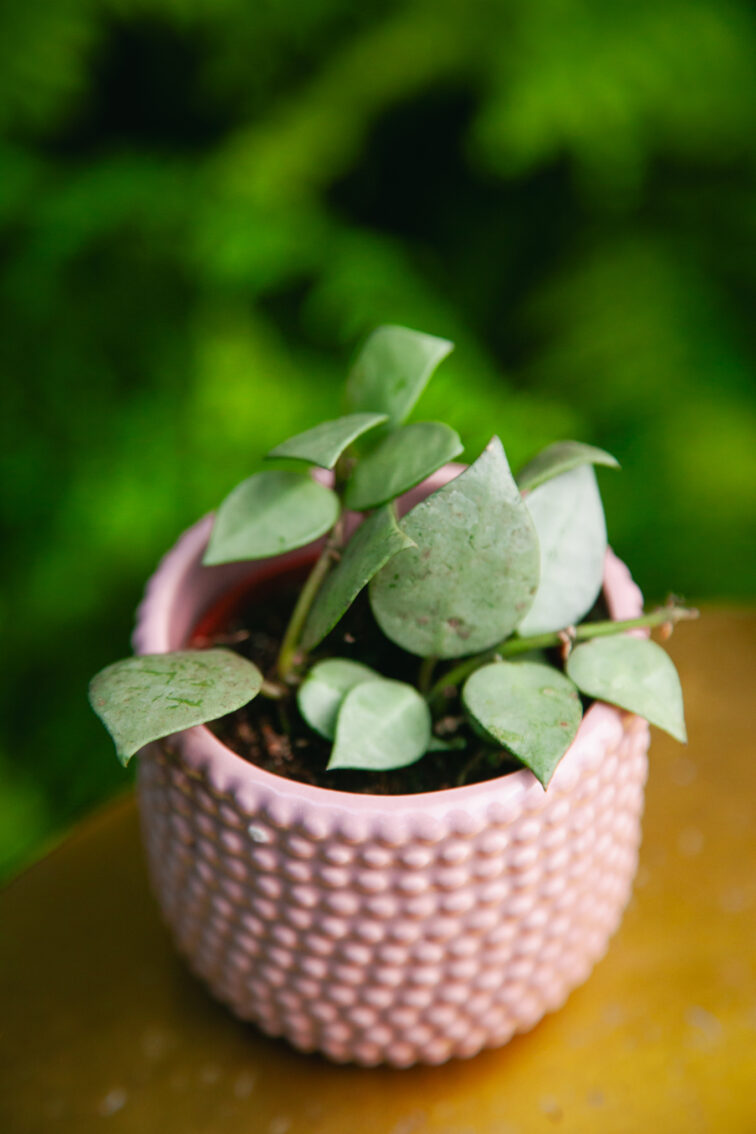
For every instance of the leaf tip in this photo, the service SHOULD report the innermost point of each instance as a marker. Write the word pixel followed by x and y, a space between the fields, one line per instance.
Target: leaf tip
pixel 124 756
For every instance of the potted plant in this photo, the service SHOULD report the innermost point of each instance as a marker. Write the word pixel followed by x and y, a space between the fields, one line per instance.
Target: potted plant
pixel 414 824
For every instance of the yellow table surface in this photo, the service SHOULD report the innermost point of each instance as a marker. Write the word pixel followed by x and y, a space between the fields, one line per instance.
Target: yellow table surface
pixel 101 1029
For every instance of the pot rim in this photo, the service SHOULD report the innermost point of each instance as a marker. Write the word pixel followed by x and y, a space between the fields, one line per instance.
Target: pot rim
pixel 204 754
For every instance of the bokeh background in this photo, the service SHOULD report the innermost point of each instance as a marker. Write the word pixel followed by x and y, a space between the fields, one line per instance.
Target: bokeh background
pixel 204 204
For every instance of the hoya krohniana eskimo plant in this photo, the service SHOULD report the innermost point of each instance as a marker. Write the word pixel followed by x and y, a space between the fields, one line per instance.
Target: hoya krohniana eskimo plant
pixel 478 580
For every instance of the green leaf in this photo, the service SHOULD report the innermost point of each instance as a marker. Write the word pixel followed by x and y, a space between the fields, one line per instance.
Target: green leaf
pixel 154 695
pixel 324 444
pixel 404 458
pixel 633 673
pixel 375 541
pixel 322 692
pixel 268 514
pixel 392 370
pixel 560 458
pixel 569 519
pixel 532 709
pixel 472 577
pixel 382 724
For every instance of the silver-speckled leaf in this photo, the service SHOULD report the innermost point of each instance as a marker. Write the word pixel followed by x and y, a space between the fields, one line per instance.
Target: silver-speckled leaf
pixel 472 577
pixel 323 444
pixel 560 458
pixel 381 725
pixel 392 370
pixel 323 690
pixel 151 696
pixel 268 514
pixel 373 544
pixel 399 462
pixel 633 673
pixel 531 709
pixel 569 519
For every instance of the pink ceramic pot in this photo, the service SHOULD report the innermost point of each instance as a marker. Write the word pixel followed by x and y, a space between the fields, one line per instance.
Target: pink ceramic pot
pixel 379 929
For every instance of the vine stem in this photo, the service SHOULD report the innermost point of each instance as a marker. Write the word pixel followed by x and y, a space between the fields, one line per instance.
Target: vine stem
pixel 272 690
pixel 425 675
pixel 665 616
pixel 288 655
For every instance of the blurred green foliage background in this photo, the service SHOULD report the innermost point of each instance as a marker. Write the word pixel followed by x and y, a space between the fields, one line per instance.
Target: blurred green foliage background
pixel 205 203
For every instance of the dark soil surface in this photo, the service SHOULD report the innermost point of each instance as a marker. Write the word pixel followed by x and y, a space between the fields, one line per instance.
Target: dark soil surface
pixel 272 734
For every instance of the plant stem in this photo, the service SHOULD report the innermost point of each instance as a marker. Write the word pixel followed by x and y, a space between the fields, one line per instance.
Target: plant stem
pixel 283 718
pixel 272 690
pixel 288 654
pixel 664 616
pixel 425 675
pixel 290 644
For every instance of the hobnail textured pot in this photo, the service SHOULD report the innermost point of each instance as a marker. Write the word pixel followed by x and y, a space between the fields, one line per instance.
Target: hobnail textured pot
pixel 379 929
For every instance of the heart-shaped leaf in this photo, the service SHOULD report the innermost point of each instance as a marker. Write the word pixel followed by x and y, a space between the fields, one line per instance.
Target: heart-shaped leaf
pixel 472 577
pixel 154 695
pixel 392 370
pixel 322 692
pixel 634 674
pixel 375 541
pixel 532 709
pixel 569 519
pixel 560 458
pixel 381 725
pixel 404 458
pixel 270 513
pixel 324 444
